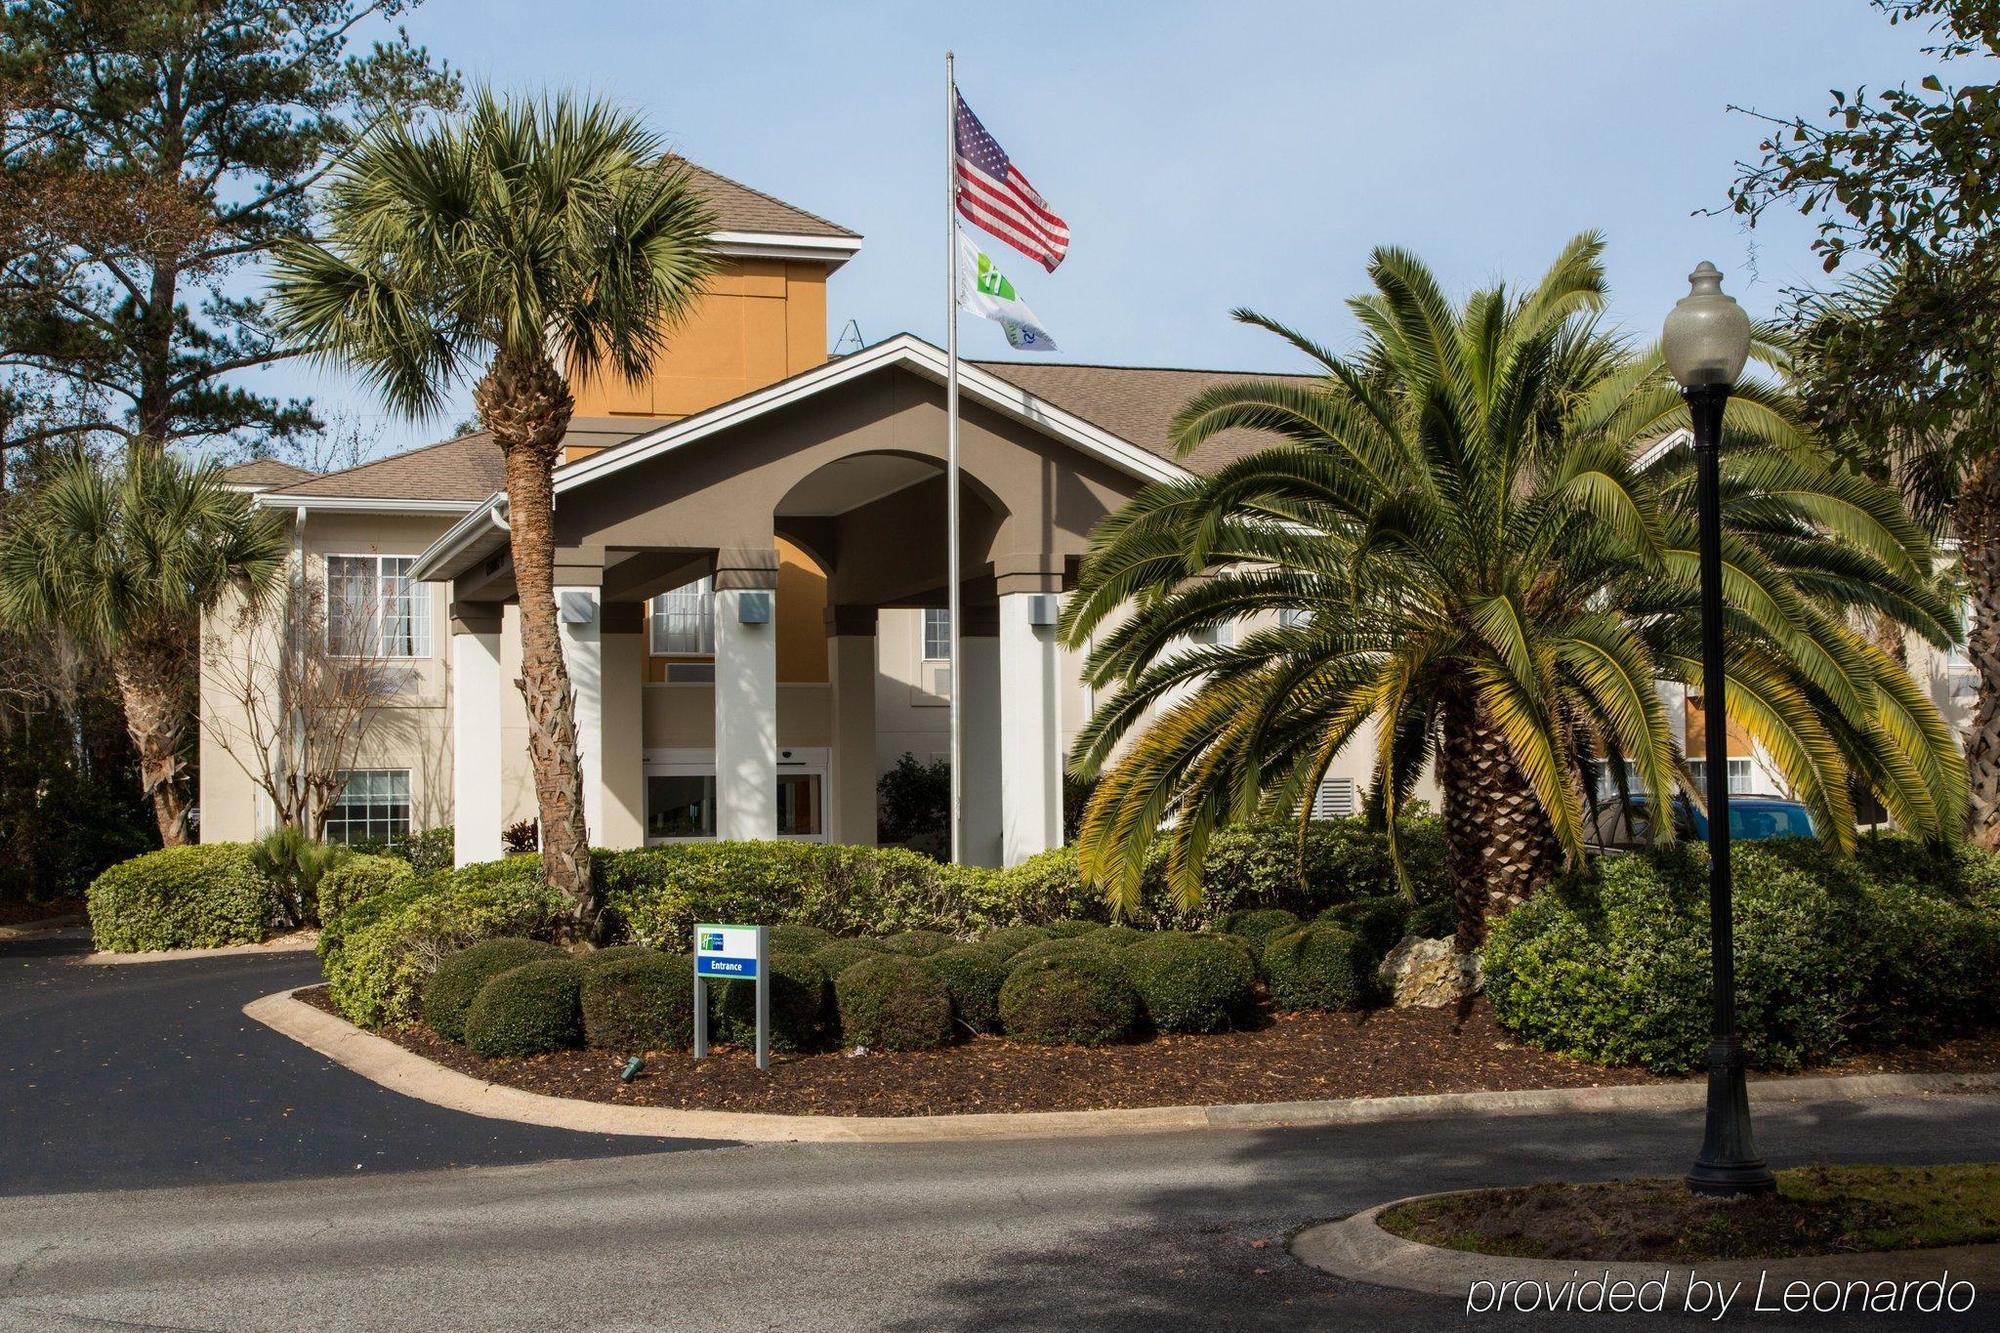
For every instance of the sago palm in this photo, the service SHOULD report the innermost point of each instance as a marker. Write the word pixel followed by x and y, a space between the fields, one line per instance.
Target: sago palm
pixel 1494 555
pixel 525 243
pixel 124 558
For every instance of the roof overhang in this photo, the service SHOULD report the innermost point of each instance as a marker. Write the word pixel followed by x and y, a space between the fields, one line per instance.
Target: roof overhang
pixel 832 251
pixel 463 545
pixel 358 504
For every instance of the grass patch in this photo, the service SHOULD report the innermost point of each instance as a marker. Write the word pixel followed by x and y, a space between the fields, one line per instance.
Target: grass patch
pixel 1817 1210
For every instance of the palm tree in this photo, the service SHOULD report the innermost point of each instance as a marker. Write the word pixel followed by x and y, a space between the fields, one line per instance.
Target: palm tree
pixel 524 243
pixel 1494 553
pixel 124 559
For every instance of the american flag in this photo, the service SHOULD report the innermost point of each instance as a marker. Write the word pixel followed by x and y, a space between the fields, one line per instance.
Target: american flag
pixel 994 195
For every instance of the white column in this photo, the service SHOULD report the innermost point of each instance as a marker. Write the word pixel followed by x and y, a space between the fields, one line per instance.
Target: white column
pixel 1030 726
pixel 476 752
pixel 850 659
pixel 618 815
pixel 746 712
pixel 581 622
pixel 979 715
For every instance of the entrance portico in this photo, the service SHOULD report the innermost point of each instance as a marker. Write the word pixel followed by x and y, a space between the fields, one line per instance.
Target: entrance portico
pixel 835 477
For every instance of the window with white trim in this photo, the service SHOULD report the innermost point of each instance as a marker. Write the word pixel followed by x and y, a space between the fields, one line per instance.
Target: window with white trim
pixel 1292 616
pixel 375 609
pixel 1739 775
pixel 683 621
pixel 937 633
pixel 374 806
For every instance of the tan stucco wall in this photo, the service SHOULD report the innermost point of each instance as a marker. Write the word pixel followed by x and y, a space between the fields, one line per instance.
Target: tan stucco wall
pixel 412 732
pixel 761 320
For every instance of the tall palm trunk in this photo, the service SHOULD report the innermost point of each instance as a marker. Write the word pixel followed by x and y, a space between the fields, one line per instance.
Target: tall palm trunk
pixel 1976 515
pixel 526 405
pixel 151 672
pixel 1499 846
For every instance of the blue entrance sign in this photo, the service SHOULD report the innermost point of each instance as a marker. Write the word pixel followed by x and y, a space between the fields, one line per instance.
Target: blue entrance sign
pixel 732 953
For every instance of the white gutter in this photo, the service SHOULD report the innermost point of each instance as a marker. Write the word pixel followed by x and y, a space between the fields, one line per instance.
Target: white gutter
pixel 833 251
pixel 461 536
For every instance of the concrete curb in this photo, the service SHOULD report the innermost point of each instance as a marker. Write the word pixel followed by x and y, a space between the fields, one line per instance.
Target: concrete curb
pixel 302 941
pixel 1359 1250
pixel 403 1071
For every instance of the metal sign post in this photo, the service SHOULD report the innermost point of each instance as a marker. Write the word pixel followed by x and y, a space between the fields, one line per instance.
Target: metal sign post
pixel 733 953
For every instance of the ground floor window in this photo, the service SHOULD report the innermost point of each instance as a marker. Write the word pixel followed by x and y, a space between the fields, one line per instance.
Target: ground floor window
pixel 1739 775
pixel 374 806
pixel 681 795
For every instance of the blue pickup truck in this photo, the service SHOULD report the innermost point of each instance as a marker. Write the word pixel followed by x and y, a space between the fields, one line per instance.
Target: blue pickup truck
pixel 1623 827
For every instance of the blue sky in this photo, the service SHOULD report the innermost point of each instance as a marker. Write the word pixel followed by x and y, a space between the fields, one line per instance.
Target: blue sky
pixel 1208 156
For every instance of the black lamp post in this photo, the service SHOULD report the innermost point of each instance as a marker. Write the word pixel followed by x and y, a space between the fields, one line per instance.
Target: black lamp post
pixel 1705 343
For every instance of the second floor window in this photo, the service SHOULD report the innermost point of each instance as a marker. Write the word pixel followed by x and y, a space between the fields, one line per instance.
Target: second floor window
pixel 684 621
pixel 937 633
pixel 374 609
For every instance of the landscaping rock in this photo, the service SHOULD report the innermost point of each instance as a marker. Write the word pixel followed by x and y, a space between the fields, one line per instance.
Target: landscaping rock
pixel 1428 974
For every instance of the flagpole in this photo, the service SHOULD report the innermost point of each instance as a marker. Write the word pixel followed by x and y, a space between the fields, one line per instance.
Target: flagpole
pixel 951 457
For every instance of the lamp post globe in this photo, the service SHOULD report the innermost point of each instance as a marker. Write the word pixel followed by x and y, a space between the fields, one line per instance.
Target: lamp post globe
pixel 1705 344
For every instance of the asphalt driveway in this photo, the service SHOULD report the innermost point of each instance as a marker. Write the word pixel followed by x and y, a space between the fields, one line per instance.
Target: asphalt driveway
pixel 148 1075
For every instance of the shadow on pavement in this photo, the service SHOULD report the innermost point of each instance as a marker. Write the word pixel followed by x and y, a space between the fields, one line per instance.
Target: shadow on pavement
pixel 148 1075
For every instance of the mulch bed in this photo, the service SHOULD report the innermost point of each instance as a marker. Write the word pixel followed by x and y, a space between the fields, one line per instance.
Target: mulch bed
pixel 1292 1057
pixel 16 912
pixel 1817 1210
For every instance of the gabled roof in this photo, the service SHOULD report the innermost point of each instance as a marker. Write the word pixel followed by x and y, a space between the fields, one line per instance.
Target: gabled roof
pixel 448 477
pixel 738 207
pixel 1138 403
pixel 257 474
pixel 1080 401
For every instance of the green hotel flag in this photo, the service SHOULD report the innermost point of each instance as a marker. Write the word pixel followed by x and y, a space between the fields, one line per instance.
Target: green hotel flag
pixel 984 290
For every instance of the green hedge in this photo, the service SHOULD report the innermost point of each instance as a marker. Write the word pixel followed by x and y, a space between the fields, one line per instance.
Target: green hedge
pixel 840 955
pixel 528 1010
pixel 972 975
pixel 1191 983
pixel 357 877
pixel 1616 970
pixel 378 953
pixel 892 1003
pixel 799 1005
pixel 462 974
pixel 200 897
pixel 1070 993
pixel 1319 966
pixel 639 1002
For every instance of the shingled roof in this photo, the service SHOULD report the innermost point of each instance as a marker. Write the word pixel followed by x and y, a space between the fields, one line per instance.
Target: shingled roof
pixel 463 470
pixel 262 473
pixel 737 207
pixel 1135 403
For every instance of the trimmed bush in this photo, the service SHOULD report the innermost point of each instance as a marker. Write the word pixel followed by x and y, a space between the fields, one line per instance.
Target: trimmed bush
pixel 528 1010
pixel 840 955
pixel 1433 920
pixel 381 952
pixel 892 1003
pixel 791 937
pixel 972 975
pixel 916 943
pixel 1379 923
pixel 639 1002
pixel 1047 889
pixel 798 1005
pixel 1079 997
pixel 1320 966
pixel 1119 936
pixel 460 976
pixel 360 877
pixel 1062 947
pixel 1617 971
pixel 1935 966
pixel 1257 924
pixel 1071 928
pixel 1010 940
pixel 1191 983
pixel 200 897
pixel 657 894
